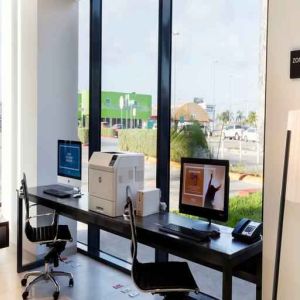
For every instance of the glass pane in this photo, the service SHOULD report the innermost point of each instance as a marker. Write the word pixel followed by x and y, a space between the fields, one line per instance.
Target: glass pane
pixel 83 99
pixel 119 247
pixel 129 89
pixel 209 281
pixel 218 94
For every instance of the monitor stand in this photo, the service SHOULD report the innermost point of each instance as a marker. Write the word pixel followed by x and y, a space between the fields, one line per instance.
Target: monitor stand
pixel 205 226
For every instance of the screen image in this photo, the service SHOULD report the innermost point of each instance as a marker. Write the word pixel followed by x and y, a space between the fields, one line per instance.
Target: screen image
pixel 69 160
pixel 204 186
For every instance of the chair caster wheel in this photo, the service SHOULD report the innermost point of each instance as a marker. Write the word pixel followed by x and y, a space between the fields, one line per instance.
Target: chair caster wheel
pixel 24 282
pixel 25 295
pixel 71 282
pixel 55 295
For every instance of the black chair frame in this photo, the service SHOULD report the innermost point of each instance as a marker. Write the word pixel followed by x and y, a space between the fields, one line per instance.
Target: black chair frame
pixel 173 280
pixel 54 236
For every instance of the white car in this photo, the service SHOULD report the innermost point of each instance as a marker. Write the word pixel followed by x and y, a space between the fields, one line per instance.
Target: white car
pixel 250 134
pixel 233 132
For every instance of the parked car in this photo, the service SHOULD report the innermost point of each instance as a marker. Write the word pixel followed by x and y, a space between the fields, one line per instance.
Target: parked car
pixel 233 132
pixel 250 134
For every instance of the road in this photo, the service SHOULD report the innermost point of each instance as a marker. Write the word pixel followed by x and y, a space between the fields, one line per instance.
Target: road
pixel 236 186
pixel 249 154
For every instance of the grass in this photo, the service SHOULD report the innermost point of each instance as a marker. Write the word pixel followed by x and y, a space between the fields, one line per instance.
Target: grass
pixel 245 207
pixel 241 207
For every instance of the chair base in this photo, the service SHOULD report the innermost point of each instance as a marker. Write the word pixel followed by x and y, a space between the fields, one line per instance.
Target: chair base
pixel 47 275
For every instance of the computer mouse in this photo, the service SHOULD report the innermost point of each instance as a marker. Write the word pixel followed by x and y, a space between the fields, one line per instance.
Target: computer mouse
pixel 78 195
pixel 215 234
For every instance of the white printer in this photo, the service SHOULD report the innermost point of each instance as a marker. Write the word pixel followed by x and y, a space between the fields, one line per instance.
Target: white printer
pixel 109 175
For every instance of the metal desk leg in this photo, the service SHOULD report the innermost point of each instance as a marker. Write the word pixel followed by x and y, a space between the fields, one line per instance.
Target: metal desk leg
pixel 259 279
pixel 161 256
pixel 93 240
pixel 227 283
pixel 20 235
pixel 20 266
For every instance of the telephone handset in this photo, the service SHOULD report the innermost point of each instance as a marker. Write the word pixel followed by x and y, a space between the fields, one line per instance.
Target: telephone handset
pixel 247 231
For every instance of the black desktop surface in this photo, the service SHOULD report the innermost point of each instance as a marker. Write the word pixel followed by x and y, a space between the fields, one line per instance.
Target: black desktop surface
pixel 231 257
pixel 215 252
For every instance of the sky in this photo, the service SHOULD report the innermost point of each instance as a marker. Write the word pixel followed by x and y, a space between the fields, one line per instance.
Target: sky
pixel 216 50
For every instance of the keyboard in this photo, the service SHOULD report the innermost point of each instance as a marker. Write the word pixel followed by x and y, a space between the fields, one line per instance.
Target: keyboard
pixel 60 187
pixel 185 232
pixel 57 193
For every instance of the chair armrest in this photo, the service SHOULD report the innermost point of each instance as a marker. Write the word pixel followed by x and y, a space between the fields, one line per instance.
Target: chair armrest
pixel 54 219
pixel 41 215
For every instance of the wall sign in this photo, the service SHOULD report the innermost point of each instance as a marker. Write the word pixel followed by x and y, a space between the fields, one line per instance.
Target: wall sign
pixel 295 64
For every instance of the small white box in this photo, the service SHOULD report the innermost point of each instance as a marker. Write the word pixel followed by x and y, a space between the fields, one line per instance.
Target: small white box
pixel 147 202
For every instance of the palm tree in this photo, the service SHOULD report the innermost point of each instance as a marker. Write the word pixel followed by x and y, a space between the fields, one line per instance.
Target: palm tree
pixel 252 118
pixel 225 117
pixel 239 117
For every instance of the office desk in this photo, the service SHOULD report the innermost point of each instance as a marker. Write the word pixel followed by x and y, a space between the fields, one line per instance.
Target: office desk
pixel 223 254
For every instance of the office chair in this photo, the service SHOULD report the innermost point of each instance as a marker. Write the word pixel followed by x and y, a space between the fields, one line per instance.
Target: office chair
pixel 173 280
pixel 53 236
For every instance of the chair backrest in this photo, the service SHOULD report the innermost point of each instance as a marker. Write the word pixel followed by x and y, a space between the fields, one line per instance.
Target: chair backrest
pixel 24 194
pixel 129 207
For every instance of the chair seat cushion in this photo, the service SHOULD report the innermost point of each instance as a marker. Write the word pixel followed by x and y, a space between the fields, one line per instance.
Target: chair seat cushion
pixel 164 276
pixel 47 233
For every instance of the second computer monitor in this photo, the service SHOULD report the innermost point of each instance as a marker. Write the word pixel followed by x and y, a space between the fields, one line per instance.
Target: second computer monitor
pixel 204 188
pixel 69 162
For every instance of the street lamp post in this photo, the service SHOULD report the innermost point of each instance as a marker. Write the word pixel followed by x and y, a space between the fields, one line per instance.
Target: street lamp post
pixel 121 105
pixel 175 34
pixel 131 106
pixel 134 115
pixel 126 107
pixel 214 63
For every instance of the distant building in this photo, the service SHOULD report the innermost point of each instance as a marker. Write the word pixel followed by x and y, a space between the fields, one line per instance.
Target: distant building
pixel 133 110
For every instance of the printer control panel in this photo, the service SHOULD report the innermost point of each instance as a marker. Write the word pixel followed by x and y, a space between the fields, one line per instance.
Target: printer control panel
pixel 113 160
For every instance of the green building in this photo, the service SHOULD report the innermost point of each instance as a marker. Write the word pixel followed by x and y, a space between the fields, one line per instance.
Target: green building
pixel 129 109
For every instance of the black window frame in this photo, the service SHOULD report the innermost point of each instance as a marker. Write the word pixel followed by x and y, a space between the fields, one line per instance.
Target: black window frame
pixel 163 103
pixel 163 111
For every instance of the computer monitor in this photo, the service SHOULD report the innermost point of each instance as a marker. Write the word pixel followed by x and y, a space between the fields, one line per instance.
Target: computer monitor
pixel 69 163
pixel 204 190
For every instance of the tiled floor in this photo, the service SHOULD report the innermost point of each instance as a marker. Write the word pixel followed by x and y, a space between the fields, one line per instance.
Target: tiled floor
pixel 94 280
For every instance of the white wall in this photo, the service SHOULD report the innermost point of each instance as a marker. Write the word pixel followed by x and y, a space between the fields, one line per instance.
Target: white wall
pixel 57 87
pixel 57 81
pixel 283 95
pixel 39 58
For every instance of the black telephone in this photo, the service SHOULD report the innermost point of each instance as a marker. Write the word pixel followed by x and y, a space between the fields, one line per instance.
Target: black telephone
pixel 247 231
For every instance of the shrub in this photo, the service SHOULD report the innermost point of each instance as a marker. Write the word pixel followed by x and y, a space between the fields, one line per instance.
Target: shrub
pixel 108 132
pixel 138 140
pixel 187 142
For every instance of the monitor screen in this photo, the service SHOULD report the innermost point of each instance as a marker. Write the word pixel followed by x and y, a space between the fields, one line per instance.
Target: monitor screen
pixel 204 188
pixel 69 159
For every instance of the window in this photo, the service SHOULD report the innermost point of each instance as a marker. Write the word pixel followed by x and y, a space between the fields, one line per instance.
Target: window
pixel 217 85
pixel 129 81
pixel 218 71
